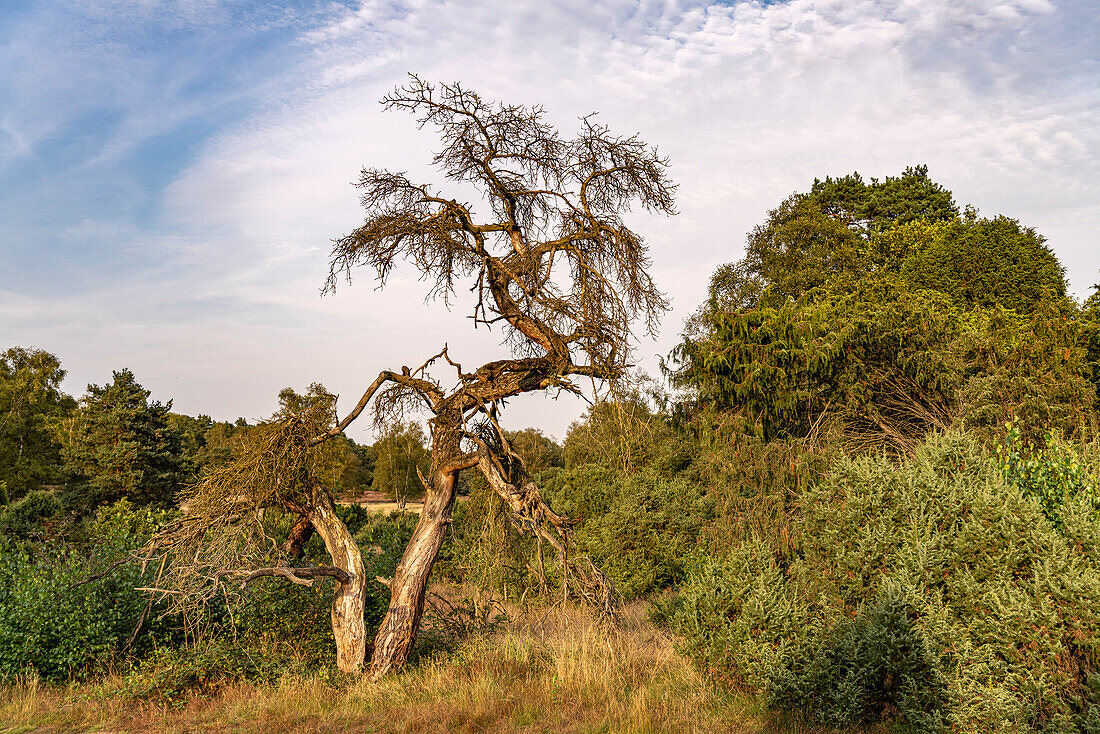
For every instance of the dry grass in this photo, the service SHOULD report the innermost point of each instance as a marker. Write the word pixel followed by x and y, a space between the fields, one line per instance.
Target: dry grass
pixel 562 672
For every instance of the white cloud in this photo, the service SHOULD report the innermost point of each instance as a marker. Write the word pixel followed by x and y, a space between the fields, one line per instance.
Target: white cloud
pixel 750 101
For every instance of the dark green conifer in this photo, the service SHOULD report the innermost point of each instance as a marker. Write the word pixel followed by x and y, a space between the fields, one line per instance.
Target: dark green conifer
pixel 122 446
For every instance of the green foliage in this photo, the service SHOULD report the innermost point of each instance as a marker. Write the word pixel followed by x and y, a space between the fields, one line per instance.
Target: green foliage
pixel 797 249
pixel 219 442
pixel 274 613
pixel 638 527
pixel 274 628
pixel 282 620
pixel 382 540
pixel 344 467
pixel 883 362
pixel 121 446
pixel 874 313
pixel 877 662
pixel 880 205
pixel 1090 337
pixel 56 628
pixel 887 365
pixel 633 516
pixel 398 454
pixel 829 237
pixel 538 451
pixel 31 406
pixel 175 674
pixel 483 548
pixel 1053 473
pixel 23 518
pixel 982 613
pixel 754 484
pixel 626 433
pixel 204 442
pixel 1032 370
pixel 985 262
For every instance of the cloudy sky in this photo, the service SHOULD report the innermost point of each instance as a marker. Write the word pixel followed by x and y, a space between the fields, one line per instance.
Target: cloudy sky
pixel 172 173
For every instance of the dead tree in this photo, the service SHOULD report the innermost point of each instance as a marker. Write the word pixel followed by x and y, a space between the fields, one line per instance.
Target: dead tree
pixel 550 262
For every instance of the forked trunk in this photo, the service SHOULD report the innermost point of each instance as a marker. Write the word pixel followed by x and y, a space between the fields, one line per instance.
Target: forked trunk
pixel 348 602
pixel 396 636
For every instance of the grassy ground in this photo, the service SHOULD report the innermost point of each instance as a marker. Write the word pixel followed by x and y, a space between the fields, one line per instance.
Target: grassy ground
pixel 560 672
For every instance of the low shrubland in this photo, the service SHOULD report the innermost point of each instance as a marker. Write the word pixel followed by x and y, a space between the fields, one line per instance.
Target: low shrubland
pixel 65 612
pixel 71 605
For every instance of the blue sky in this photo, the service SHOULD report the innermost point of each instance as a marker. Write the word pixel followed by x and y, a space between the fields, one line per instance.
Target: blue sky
pixel 172 173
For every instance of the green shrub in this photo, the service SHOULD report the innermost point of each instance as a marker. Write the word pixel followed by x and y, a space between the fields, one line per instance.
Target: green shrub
pixel 1052 473
pixel 859 669
pixel 52 625
pixel 937 566
pixel 201 668
pixel 23 518
pixel 637 527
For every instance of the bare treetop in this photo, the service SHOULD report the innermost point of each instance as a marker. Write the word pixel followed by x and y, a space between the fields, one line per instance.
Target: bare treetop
pixel 553 259
pixel 552 262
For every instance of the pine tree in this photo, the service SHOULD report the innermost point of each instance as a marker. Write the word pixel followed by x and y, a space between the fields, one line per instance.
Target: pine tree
pixel 122 446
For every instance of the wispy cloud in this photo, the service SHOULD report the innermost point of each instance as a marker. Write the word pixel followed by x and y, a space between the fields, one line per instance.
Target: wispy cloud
pixel 231 132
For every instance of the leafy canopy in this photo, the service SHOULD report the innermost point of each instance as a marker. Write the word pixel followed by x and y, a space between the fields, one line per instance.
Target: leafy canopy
pixel 31 406
pixel 878 310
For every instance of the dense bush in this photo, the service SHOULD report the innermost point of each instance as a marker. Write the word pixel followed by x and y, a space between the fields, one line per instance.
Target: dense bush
pixel 24 517
pixel 877 663
pixel 56 628
pixel 935 592
pixel 753 483
pixel 638 527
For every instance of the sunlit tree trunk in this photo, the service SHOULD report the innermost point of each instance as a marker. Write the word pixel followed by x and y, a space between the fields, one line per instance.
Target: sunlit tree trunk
pixel 349 599
pixel 396 636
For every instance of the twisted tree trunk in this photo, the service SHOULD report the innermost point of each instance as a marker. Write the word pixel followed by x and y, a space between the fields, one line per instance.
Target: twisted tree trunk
pixel 349 599
pixel 409 585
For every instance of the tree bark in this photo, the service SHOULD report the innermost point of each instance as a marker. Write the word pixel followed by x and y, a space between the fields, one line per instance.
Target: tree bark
pixel 300 533
pixel 349 599
pixel 396 636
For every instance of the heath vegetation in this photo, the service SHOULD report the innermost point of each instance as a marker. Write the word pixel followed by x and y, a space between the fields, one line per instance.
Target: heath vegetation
pixel 864 493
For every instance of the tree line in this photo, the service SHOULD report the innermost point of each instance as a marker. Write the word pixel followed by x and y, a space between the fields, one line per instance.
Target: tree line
pixel 115 442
